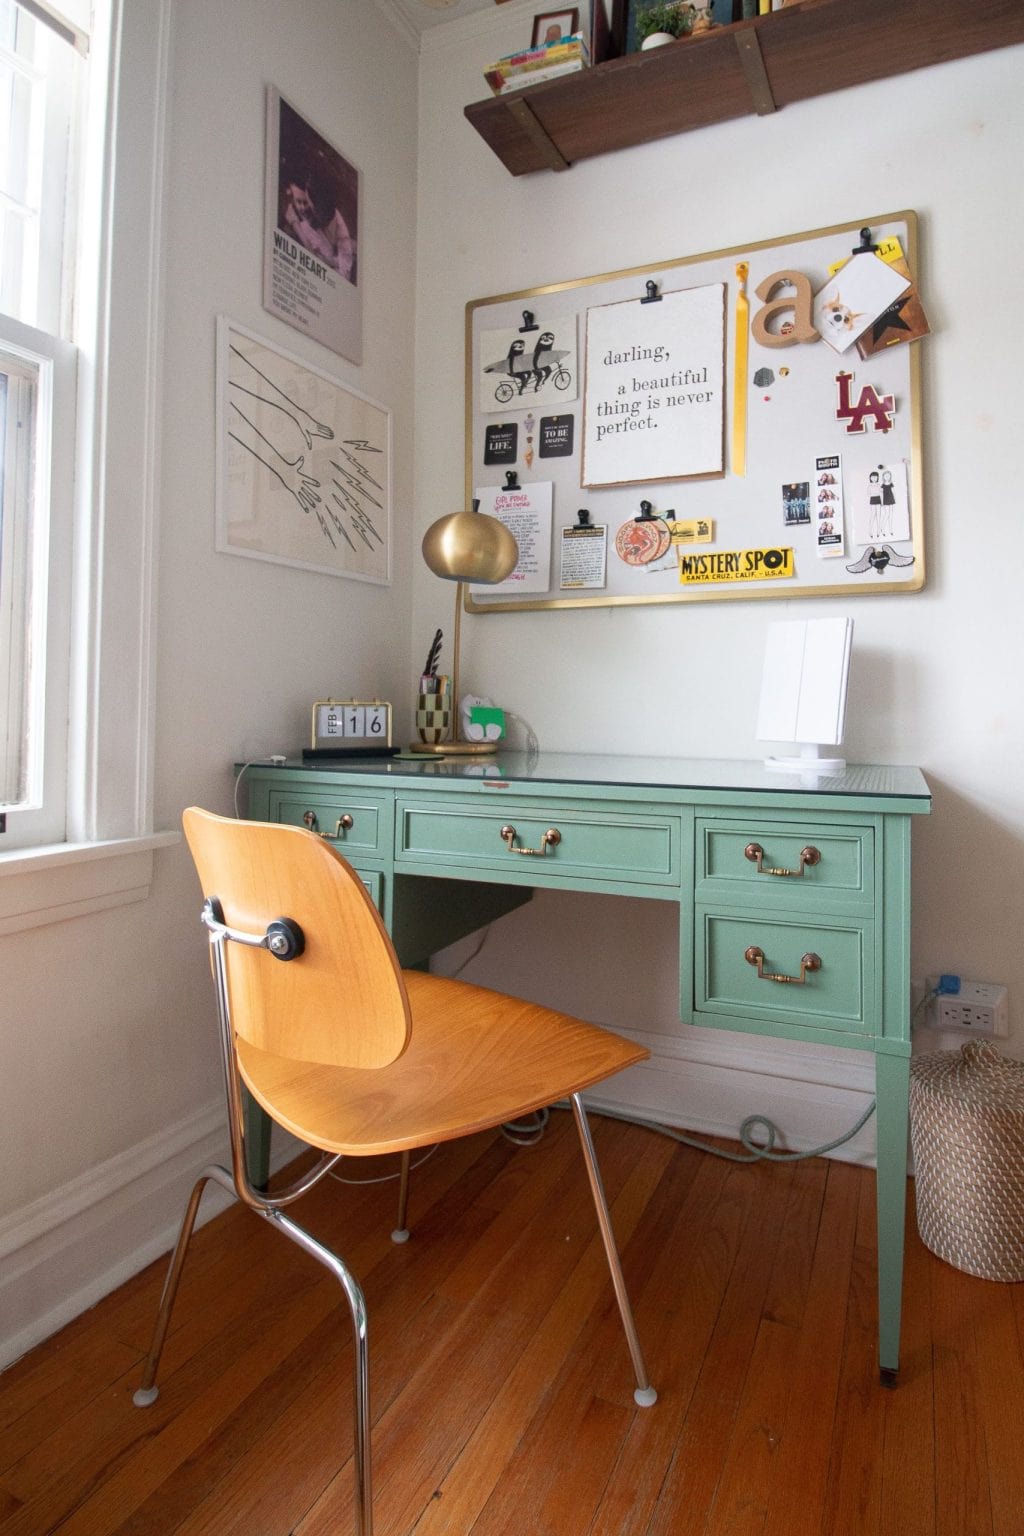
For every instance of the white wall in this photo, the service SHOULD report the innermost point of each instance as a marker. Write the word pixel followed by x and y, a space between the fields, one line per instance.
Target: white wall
pixel 936 676
pixel 110 1094
pixel 109 1097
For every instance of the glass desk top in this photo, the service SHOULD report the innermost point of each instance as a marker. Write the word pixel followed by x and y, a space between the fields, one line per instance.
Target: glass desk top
pixel 901 782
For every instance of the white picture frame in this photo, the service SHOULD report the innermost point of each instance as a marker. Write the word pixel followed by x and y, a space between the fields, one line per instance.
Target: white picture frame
pixel 303 463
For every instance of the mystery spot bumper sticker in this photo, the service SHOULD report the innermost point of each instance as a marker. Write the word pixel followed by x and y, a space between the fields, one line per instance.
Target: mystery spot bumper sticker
pixel 735 565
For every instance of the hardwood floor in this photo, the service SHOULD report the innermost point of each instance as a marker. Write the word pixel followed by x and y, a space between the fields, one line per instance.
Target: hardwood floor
pixel 502 1391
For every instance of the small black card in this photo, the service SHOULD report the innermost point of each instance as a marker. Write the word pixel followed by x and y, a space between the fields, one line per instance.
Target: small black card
pixel 556 435
pixel 501 443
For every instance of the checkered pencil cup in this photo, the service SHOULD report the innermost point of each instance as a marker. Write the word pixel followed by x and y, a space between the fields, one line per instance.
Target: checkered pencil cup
pixel 433 717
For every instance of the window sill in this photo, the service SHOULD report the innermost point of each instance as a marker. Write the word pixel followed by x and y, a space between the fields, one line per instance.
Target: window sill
pixel 39 886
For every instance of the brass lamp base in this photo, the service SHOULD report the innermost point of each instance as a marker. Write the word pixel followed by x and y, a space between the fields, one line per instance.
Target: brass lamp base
pixel 455 748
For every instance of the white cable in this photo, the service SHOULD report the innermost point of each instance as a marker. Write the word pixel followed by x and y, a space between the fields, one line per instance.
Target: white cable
pixel 754 1151
pixel 929 997
pixel 523 1133
pixel 387 1178
pixel 471 957
pixel 238 780
pixel 276 760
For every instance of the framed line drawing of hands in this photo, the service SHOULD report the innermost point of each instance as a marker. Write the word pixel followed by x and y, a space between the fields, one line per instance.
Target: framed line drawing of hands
pixel 303 463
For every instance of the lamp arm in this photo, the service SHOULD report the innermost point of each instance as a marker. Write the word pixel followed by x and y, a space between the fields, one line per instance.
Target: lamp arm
pixel 456 734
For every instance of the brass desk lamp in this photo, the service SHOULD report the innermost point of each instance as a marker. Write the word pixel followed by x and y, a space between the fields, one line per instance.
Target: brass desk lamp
pixel 466 546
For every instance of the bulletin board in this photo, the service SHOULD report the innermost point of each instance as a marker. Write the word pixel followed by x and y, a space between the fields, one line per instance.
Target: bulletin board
pixel 742 424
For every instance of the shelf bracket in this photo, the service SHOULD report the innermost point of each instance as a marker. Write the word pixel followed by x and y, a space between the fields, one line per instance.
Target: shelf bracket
pixel 545 146
pixel 752 60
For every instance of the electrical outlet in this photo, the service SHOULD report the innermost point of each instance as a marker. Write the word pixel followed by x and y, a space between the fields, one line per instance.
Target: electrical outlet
pixel 977 1008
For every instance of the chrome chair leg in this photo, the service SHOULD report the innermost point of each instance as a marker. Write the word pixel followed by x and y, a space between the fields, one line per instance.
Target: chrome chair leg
pixel 357 1306
pixel 148 1391
pixel 401 1232
pixel 644 1395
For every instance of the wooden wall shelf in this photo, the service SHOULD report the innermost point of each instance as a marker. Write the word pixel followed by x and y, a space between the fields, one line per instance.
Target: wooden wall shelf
pixel 755 66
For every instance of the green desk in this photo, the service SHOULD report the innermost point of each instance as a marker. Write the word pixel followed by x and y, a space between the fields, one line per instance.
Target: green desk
pixel 793 892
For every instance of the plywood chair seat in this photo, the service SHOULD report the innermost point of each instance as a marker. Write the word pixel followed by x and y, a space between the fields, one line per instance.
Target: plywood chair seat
pixel 475 1058
pixel 355 1056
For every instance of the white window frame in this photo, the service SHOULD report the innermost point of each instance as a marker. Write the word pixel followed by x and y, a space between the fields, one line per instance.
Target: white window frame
pixel 107 858
pixel 38 557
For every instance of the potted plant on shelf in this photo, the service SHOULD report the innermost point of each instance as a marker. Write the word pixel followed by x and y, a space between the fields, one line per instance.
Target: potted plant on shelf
pixel 658 24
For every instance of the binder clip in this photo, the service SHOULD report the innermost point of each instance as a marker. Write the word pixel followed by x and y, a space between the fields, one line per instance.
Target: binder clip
pixel 648 514
pixel 652 295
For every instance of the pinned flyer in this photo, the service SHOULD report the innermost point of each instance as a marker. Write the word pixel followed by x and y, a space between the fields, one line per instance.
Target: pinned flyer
pixel 584 556
pixel 901 321
pixel 692 530
pixel 904 319
pixel 852 300
pixel 828 505
pixel 525 511
pixel 882 507
pixel 529 367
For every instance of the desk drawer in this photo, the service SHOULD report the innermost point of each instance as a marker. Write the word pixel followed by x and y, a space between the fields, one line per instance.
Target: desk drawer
pixel 373 880
pixel 354 822
pixel 593 843
pixel 830 996
pixel 785 864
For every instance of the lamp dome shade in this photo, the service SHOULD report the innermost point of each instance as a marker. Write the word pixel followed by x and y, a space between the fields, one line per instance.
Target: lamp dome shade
pixel 470 546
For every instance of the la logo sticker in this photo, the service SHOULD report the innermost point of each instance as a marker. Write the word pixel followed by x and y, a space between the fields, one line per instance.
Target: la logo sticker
pixel 880 409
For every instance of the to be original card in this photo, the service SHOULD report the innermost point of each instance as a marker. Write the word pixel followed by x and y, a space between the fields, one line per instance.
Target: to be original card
pixel 854 297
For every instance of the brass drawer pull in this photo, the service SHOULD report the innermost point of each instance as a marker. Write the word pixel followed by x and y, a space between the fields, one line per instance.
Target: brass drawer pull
pixel 755 853
pixel 755 956
pixel 342 825
pixel 551 838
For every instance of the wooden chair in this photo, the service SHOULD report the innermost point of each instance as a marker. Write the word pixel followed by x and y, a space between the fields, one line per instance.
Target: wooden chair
pixel 357 1057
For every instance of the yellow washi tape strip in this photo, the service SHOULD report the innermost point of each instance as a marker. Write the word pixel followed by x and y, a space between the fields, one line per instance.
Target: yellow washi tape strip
pixel 739 391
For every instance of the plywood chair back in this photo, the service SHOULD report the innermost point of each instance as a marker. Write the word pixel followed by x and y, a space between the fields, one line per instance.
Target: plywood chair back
pixel 342 1002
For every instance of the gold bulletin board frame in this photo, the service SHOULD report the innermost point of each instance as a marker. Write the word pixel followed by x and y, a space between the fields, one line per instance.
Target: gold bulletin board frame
pixel 745 511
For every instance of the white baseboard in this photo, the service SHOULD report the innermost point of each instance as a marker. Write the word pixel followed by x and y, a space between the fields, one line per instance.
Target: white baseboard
pixel 70 1248
pixel 709 1084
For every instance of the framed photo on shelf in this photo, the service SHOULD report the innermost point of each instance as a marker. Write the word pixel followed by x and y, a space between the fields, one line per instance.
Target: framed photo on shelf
pixel 549 26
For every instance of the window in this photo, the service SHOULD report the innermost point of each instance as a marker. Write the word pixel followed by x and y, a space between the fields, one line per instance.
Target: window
pixel 41 77
pixel 101 853
pixel 40 80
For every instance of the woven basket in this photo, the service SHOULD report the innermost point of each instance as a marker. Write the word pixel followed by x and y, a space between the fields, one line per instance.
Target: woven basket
pixel 967 1131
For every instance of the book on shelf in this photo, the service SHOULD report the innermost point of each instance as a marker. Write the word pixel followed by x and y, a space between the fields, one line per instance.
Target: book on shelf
pixel 567 50
pixel 535 76
pixel 547 51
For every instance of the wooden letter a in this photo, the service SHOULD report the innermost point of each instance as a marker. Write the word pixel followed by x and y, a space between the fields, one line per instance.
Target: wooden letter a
pixel 801 327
